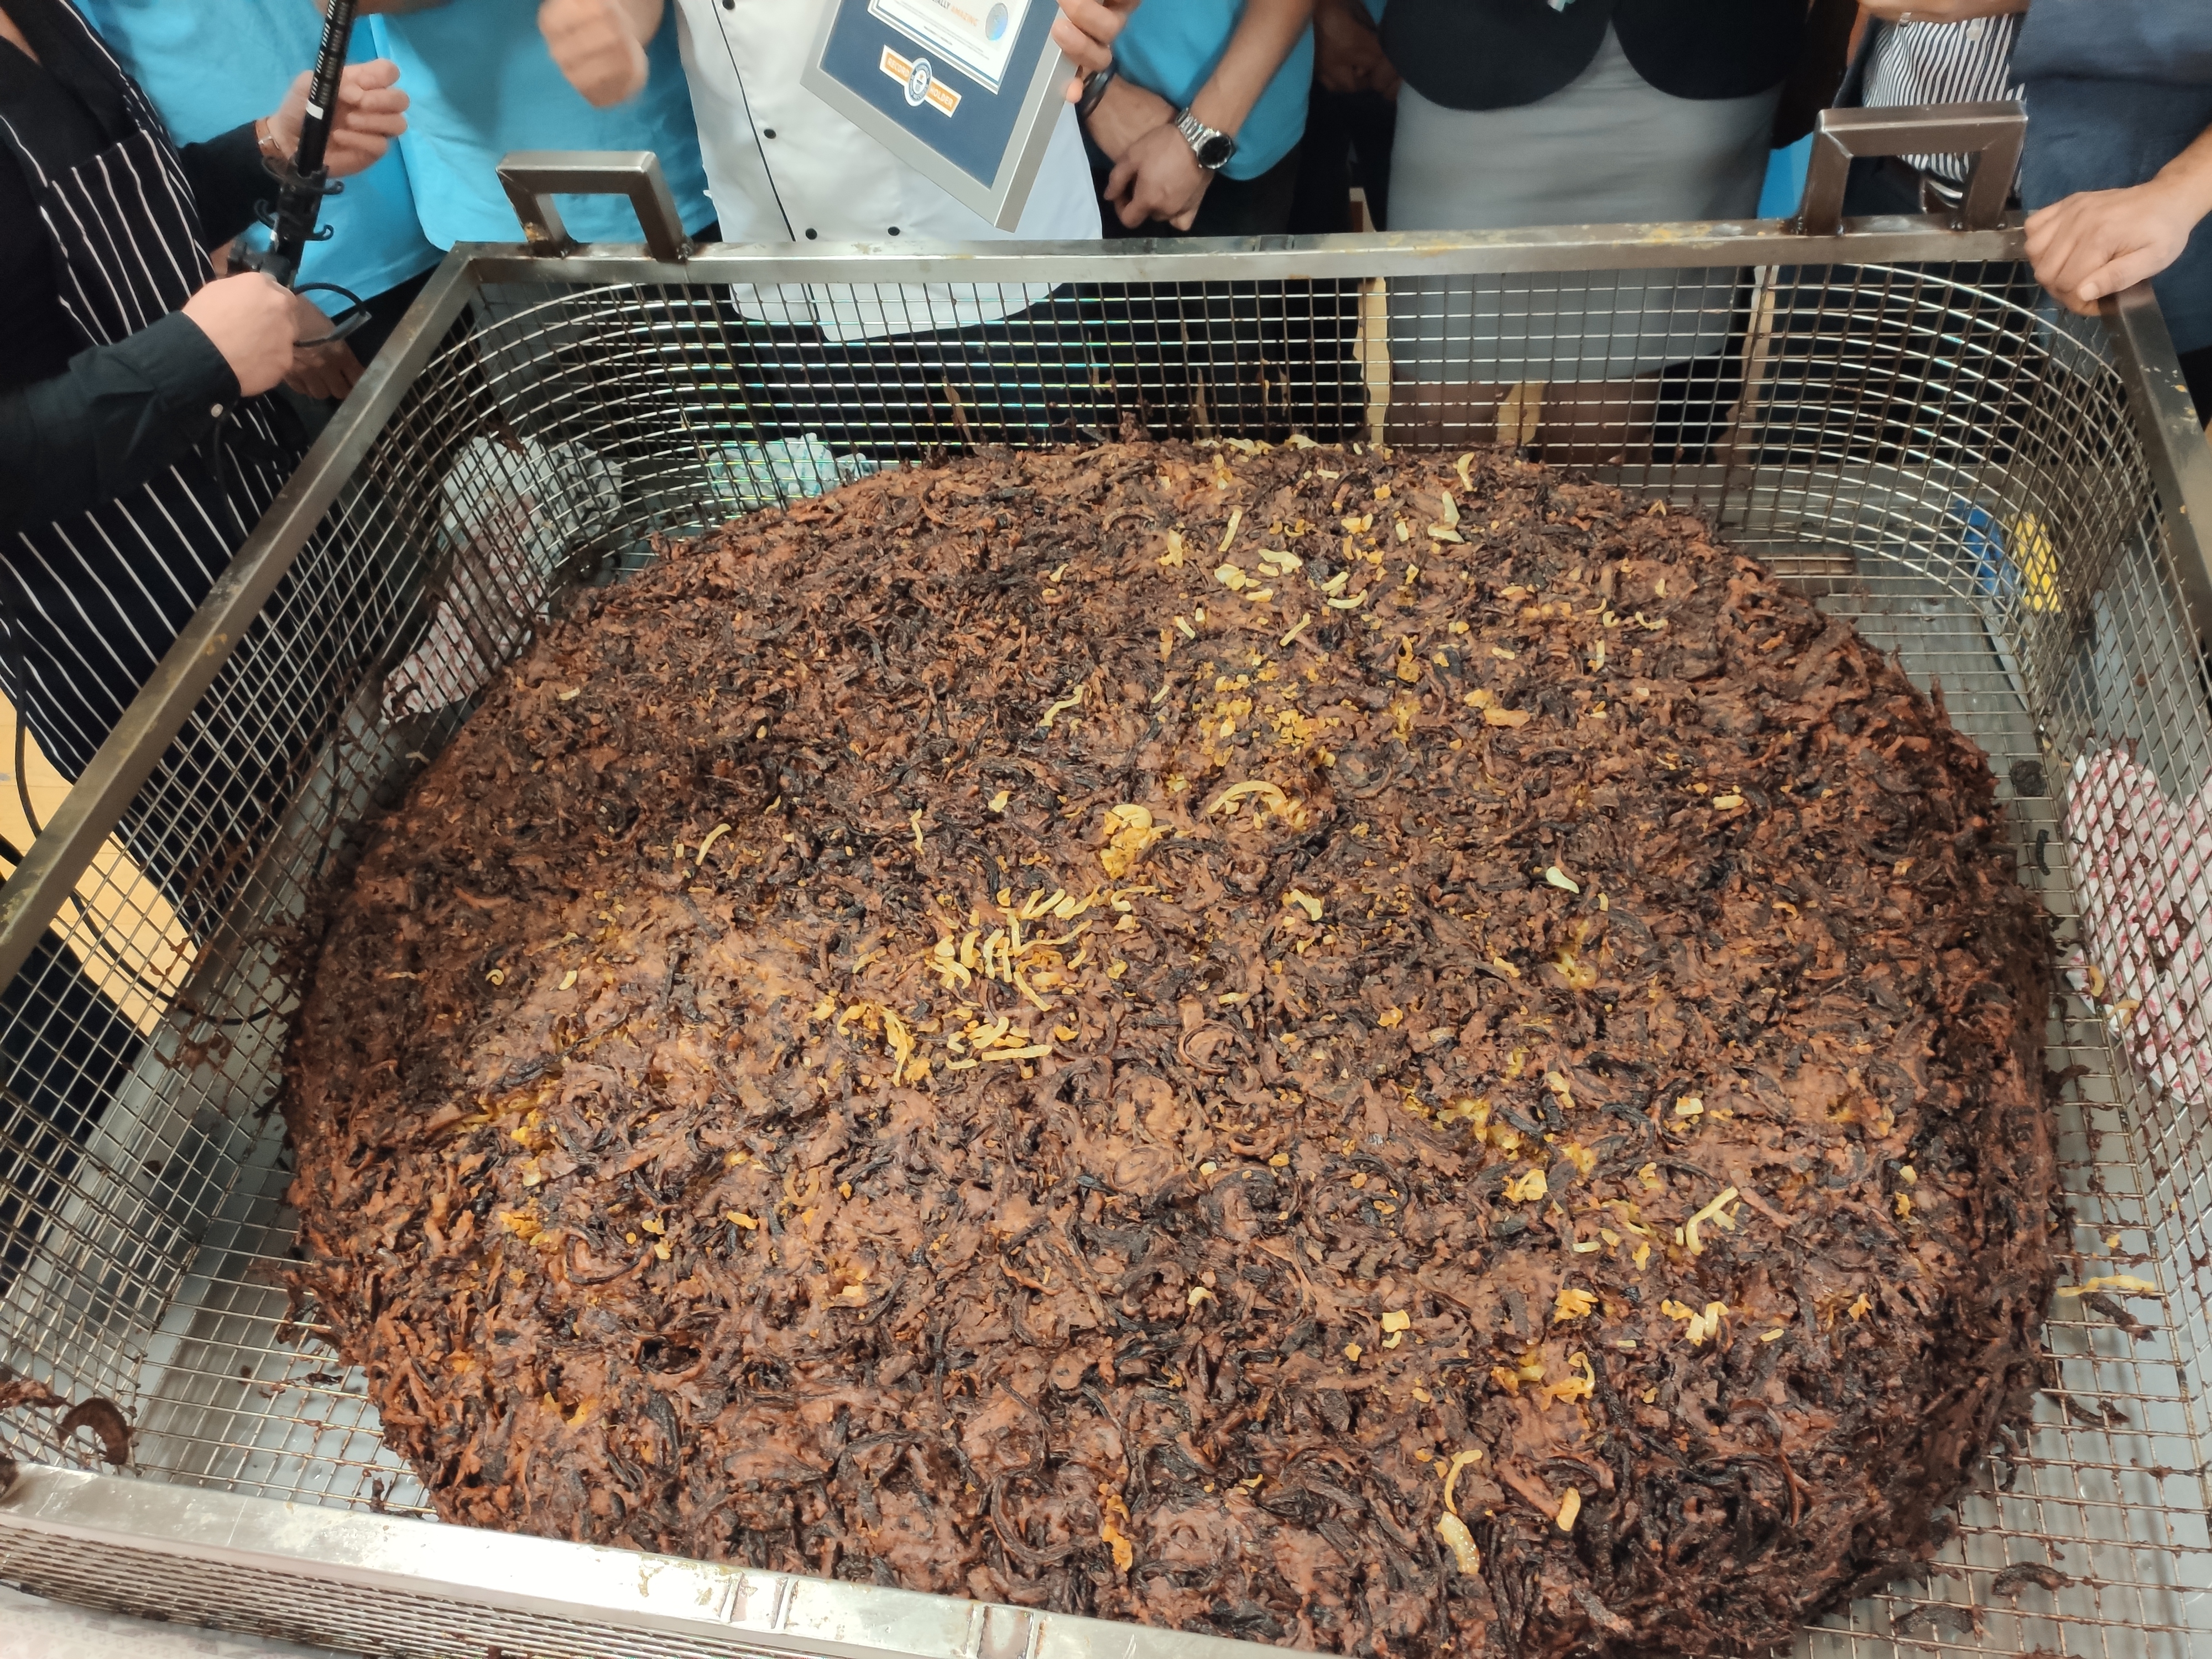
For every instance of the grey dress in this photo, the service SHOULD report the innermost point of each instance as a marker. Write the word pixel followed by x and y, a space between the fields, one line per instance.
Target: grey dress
pixel 1607 149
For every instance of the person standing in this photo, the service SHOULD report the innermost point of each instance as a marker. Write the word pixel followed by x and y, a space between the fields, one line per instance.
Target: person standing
pixel 2118 171
pixel 1350 121
pixel 1197 131
pixel 860 365
pixel 1519 113
pixel 137 445
pixel 1926 51
pixel 485 81
pixel 212 64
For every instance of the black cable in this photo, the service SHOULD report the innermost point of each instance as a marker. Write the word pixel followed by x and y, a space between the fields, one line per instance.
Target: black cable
pixel 22 788
pixel 349 321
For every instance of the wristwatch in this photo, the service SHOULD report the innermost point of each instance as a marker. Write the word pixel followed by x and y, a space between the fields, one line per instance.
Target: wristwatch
pixel 1211 145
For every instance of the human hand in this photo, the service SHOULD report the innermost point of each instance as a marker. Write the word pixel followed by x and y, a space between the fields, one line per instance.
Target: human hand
pixel 1348 54
pixel 1158 178
pixel 2099 241
pixel 1125 114
pixel 371 113
pixel 1085 31
pixel 319 371
pixel 1939 11
pixel 599 45
pixel 251 319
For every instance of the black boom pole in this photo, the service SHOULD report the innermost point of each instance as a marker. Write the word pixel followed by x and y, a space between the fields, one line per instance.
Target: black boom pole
pixel 305 180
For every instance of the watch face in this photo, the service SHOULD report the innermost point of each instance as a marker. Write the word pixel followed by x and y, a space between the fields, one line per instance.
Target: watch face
pixel 1215 149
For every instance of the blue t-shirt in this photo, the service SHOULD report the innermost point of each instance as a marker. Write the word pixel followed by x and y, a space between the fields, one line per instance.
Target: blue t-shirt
pixel 484 84
pixel 212 64
pixel 1172 46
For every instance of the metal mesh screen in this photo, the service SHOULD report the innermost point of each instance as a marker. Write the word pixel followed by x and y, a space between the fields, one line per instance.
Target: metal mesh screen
pixel 301 1607
pixel 1910 444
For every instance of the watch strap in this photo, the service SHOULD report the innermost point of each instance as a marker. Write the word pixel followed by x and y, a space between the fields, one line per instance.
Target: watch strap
pixel 1094 89
pixel 1201 138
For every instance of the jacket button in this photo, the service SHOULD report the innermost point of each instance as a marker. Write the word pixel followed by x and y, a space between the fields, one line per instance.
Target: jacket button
pixel 767 132
pixel 809 235
pixel 215 410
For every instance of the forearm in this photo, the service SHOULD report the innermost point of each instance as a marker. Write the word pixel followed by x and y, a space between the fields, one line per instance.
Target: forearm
pixel 228 180
pixel 1265 35
pixel 2187 178
pixel 1125 114
pixel 115 417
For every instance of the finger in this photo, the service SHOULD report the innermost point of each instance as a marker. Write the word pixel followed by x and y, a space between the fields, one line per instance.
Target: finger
pixel 357 156
pixel 374 124
pixel 1082 51
pixel 1097 22
pixel 388 124
pixel 370 77
pixel 1118 181
pixel 2137 265
pixel 379 100
pixel 2055 259
pixel 2089 250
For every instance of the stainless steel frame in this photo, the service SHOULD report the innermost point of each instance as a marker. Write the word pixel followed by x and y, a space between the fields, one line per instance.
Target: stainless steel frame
pixel 1901 437
pixel 1991 134
pixel 531 178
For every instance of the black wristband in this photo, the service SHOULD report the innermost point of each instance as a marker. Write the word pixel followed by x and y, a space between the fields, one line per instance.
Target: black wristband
pixel 1094 88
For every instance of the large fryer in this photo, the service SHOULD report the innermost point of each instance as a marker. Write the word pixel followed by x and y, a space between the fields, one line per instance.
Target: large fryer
pixel 2010 501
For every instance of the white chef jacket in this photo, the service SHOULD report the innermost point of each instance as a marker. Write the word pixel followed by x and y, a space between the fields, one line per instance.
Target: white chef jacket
pixel 782 166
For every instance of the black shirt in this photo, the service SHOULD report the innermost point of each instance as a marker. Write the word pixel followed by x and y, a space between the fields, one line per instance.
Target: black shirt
pixel 54 125
pixel 1501 54
pixel 80 426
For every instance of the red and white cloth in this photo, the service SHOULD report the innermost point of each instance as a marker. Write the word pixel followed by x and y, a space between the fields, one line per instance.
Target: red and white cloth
pixel 2142 872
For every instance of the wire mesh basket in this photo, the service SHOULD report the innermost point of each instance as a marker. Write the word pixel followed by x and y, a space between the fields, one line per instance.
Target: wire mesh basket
pixel 1882 416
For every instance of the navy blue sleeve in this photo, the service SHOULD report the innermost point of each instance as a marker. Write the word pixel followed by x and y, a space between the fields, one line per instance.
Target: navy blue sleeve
pixel 114 418
pixel 2166 42
pixel 227 179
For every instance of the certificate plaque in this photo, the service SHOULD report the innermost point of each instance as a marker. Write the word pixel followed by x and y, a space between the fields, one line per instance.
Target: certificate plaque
pixel 965 92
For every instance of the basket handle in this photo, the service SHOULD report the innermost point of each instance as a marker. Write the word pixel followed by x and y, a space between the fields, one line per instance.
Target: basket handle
pixel 1992 133
pixel 532 177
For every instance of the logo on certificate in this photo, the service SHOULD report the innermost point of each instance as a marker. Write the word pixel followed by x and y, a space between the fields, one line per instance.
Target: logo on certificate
pixel 974 38
pixel 920 82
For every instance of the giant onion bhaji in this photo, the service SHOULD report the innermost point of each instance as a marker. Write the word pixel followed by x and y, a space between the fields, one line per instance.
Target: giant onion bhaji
pixel 1326 1046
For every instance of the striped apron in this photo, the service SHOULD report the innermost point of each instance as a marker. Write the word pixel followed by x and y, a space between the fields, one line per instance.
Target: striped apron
pixel 89 603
